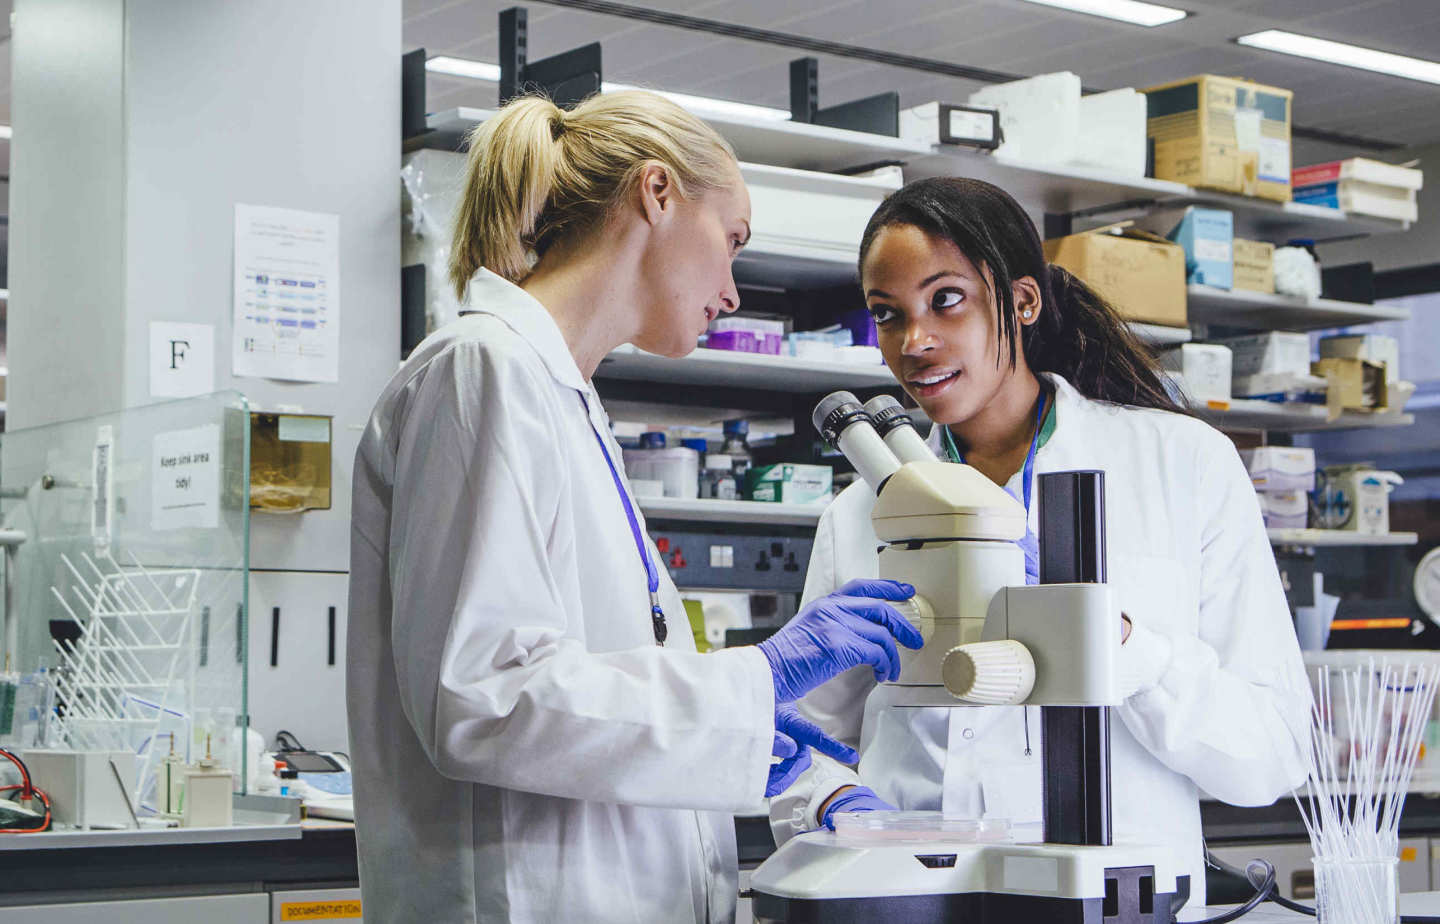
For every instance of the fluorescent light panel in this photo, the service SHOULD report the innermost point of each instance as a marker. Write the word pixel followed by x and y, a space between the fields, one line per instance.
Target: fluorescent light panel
pixel 481 70
pixel 1318 49
pixel 1131 11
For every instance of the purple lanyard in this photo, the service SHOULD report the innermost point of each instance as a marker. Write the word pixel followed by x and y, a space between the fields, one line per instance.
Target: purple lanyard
pixel 652 576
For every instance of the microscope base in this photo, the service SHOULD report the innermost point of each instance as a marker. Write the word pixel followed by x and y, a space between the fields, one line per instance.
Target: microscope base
pixel 817 877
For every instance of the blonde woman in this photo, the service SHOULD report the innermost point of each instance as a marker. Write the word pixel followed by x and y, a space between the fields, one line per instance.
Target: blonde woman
pixel 534 736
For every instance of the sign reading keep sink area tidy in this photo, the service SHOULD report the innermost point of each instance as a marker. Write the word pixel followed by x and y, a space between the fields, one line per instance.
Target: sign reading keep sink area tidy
pixel 185 485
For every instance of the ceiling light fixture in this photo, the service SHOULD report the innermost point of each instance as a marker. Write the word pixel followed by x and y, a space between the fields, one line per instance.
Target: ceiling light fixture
pixel 1307 46
pixel 1131 11
pixel 481 70
pixel 5 131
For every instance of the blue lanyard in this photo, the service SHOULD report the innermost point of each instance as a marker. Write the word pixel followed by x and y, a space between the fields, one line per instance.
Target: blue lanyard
pixel 652 576
pixel 1028 472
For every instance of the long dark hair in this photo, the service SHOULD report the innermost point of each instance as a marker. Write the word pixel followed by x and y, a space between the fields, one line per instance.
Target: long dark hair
pixel 1079 335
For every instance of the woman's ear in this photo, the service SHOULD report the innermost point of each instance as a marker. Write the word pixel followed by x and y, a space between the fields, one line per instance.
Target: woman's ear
pixel 1025 292
pixel 656 191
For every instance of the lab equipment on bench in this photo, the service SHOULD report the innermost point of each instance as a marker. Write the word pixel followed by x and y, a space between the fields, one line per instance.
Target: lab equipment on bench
pixel 989 639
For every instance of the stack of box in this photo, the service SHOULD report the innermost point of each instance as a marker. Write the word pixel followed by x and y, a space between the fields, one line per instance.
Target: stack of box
pixel 1273 366
pixel 747 335
pixel 1039 116
pixel 1361 186
pixel 1222 133
pixel 1283 477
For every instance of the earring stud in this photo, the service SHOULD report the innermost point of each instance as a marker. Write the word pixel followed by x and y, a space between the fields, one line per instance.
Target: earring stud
pixel 1026 313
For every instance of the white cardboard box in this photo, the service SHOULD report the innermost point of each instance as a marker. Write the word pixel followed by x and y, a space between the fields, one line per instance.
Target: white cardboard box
pixel 1112 132
pixel 1280 468
pixel 1201 369
pixel 1273 352
pixel 1284 509
pixel 1039 115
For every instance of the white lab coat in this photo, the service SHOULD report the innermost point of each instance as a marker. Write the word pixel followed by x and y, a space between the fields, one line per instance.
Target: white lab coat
pixel 522 749
pixel 1216 699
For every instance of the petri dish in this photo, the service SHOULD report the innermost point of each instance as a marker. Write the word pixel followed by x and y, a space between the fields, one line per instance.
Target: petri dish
pixel 909 827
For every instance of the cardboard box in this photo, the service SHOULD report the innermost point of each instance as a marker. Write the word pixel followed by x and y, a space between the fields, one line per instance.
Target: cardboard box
pixel 1284 509
pixel 1375 348
pixel 1201 369
pixel 789 483
pixel 1222 133
pixel 1254 266
pixel 1141 274
pixel 1352 384
pixel 1270 353
pixel 1207 236
pixel 1280 468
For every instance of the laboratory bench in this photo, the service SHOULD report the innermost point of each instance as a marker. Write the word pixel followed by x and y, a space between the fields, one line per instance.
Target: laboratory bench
pixel 238 875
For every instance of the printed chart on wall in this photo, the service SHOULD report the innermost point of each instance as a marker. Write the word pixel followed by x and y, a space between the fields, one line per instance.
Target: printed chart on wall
pixel 287 294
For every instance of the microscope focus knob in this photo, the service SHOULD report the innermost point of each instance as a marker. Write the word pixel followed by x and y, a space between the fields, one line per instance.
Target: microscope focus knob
pixel 989 673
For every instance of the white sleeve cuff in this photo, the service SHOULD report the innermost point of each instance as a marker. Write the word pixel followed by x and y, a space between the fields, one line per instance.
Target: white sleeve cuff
pixel 1144 658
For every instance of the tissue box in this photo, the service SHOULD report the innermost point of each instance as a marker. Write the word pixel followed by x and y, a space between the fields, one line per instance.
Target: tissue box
pixel 1275 352
pixel 1375 348
pixel 1254 266
pixel 747 335
pixel 1141 274
pixel 1282 469
pixel 1203 370
pixel 1206 235
pixel 1284 509
pixel 1222 133
pixel 1280 387
pixel 1112 132
pixel 789 483
pixel 1040 117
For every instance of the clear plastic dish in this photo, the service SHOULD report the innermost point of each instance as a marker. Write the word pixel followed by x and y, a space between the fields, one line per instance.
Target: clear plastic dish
pixel 907 827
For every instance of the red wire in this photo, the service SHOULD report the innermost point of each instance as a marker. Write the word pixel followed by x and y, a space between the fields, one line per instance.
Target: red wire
pixel 27 792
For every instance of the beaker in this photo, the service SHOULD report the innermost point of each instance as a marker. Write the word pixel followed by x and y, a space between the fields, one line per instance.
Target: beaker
pixel 1350 890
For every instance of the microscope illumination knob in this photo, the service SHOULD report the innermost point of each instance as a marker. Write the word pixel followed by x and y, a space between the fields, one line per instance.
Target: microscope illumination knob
pixel 989 673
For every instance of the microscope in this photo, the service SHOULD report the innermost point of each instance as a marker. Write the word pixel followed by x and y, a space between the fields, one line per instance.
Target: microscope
pixel 950 532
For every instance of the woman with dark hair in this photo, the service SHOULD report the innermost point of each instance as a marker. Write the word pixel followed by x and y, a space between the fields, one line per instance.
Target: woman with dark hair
pixel 1024 369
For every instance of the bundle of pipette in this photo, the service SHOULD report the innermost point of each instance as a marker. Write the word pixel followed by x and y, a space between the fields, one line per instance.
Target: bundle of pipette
pixel 1360 770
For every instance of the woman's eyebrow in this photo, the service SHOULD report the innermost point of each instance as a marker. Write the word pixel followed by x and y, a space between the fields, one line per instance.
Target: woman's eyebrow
pixel 922 284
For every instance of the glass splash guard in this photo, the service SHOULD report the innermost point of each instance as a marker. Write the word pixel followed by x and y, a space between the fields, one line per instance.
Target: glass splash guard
pixel 126 571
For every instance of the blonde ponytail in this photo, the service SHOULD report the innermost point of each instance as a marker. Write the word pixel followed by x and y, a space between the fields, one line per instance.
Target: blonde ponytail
pixel 537 173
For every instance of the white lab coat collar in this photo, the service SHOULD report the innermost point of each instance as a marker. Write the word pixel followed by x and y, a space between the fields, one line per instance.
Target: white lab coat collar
pixel 523 313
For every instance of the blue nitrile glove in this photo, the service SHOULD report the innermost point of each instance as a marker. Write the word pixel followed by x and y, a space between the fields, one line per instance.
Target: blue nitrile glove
pixel 856 799
pixel 806 733
pixel 850 627
pixel 794 758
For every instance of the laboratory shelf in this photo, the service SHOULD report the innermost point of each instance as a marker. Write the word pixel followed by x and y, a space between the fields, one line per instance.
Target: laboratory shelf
pixel 791 265
pixel 1249 414
pixel 1259 311
pixel 730 511
pixel 743 370
pixel 1334 538
pixel 1055 188
pixel 1255 219
pixel 780 143
pixel 1156 335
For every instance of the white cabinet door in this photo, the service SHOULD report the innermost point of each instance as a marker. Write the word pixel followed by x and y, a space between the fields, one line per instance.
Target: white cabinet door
pixel 297 656
pixel 212 909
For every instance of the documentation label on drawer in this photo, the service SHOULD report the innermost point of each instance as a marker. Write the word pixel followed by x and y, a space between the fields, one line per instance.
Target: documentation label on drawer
pixel 319 911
